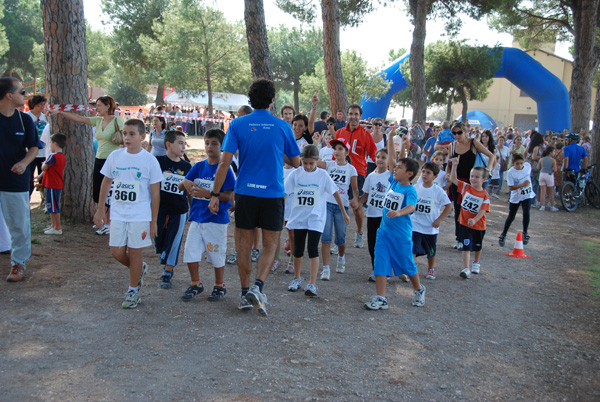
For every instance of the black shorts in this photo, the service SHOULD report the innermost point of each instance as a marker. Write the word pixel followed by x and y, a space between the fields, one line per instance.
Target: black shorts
pixel 424 244
pixel 97 179
pixel 256 212
pixel 360 181
pixel 472 239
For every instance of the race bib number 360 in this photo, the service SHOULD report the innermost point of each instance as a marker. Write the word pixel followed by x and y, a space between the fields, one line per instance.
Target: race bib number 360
pixel 471 203
pixel 306 196
pixel 126 191
pixel 170 183
pixel 393 201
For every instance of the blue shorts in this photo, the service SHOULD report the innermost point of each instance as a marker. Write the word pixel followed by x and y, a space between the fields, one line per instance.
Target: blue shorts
pixel 424 244
pixel 393 255
pixel 53 200
pixel 334 218
pixel 168 237
pixel 472 239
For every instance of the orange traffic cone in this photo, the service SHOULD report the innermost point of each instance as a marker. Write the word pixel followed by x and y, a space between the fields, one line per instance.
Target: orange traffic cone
pixel 518 251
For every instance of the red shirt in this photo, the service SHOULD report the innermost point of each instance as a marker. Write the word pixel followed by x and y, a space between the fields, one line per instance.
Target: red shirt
pixel 361 143
pixel 473 201
pixel 53 177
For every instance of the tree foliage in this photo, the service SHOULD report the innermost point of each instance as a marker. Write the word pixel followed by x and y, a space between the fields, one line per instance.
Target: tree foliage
pixel 351 11
pixel 99 48
pixel 4 46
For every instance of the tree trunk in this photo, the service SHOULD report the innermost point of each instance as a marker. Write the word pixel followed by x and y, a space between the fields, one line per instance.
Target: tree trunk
pixel 449 106
pixel 595 134
pixel 296 85
pixel 209 89
pixel 160 93
pixel 418 10
pixel 465 109
pixel 336 88
pixel 66 82
pixel 586 56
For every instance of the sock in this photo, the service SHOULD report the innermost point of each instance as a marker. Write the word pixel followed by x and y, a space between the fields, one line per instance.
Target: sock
pixel 221 284
pixel 325 267
pixel 382 298
pixel 167 273
pixel 342 258
pixel 277 256
pixel 260 284
pixel 292 258
pixel 244 291
pixel 196 283
pixel 133 289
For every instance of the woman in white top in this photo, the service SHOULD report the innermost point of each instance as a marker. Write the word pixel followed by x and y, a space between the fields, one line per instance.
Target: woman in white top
pixel 379 138
pixel 487 140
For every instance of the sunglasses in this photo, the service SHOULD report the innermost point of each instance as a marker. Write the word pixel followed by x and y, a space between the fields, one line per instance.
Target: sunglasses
pixel 378 124
pixel 457 132
pixel 22 92
pixel 331 124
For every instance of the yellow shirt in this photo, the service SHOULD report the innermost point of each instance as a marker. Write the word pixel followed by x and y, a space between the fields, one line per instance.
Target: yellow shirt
pixel 105 146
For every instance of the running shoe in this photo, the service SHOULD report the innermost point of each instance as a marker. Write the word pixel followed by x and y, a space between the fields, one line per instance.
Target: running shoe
pixel 132 299
pixel 53 231
pixel 502 240
pixel 404 278
pixel 333 249
pixel 430 274
pixel 341 265
pixel 254 255
pixel 276 265
pixel 325 274
pixel 465 273
pixel 359 242
pixel 232 258
pixel 103 230
pixel 495 195
pixel 419 297
pixel 542 208
pixel 372 278
pixel 525 238
pixel 16 273
pixel 476 268
pixel 553 209
pixel 244 304
pixel 295 284
pixel 192 292
pixel 144 271
pixel 258 300
pixel 310 290
pixel 377 303
pixel 166 280
pixel 217 294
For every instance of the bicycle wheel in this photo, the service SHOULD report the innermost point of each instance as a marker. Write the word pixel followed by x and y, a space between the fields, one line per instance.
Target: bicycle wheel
pixel 592 194
pixel 568 196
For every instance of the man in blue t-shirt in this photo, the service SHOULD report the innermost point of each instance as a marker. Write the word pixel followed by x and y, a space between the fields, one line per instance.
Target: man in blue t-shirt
pixel 19 148
pixel 574 153
pixel 262 141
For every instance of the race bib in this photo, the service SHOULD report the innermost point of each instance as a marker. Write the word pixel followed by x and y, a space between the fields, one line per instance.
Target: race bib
pixel 424 206
pixel 393 201
pixel 306 196
pixel 339 178
pixel 376 199
pixel 205 184
pixel 527 190
pixel 126 191
pixel 471 203
pixel 170 183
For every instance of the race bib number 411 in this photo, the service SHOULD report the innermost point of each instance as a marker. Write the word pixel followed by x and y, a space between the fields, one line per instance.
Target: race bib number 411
pixel 126 191
pixel 393 201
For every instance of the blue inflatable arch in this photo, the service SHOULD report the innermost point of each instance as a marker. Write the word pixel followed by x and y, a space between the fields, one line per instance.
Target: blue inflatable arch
pixel 518 67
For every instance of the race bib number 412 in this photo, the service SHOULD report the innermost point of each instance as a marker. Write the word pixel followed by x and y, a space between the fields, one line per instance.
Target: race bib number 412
pixel 393 201
pixel 126 191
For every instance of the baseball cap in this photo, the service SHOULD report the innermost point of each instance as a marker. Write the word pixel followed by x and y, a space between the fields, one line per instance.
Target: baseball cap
pixel 340 140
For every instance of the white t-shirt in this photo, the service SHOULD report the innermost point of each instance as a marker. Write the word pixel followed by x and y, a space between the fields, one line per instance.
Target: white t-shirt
pixel 42 122
pixel 379 145
pixel 440 180
pixel 289 197
pixel 341 176
pixel 515 177
pixel 45 138
pixel 429 204
pixel 309 204
pixel 132 175
pixel 301 142
pixel 376 185
pixel 326 154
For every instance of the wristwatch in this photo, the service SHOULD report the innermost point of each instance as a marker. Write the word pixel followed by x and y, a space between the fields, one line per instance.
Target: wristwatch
pixel 213 194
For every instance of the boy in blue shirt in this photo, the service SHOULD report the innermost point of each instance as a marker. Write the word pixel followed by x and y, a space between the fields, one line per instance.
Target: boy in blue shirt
pixel 207 231
pixel 394 245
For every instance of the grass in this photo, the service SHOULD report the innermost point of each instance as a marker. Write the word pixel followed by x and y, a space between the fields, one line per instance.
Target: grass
pixel 590 251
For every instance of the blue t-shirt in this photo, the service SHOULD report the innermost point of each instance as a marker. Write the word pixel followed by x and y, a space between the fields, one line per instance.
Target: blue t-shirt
pixel 397 197
pixel 172 200
pixel 203 174
pixel 262 140
pixel 575 153
pixel 430 146
pixel 17 135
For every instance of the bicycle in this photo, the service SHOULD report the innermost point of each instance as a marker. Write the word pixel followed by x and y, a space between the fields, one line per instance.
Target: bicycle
pixel 579 189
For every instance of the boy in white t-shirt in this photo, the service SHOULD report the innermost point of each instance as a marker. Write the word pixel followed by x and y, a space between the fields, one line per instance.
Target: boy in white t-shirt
pixel 134 207
pixel 427 218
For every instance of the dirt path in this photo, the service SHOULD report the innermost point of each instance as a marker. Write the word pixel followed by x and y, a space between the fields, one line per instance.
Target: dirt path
pixel 522 330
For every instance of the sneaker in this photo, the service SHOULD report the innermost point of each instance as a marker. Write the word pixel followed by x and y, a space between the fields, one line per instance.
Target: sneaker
pixel 333 249
pixel 295 284
pixel 47 228
pixel 276 265
pixel 103 231
pixel 476 268
pixel 217 294
pixel 495 195
pixel 165 280
pixel 526 238
pixel 430 274
pixel 232 258
pixel 53 231
pixel 254 255
pixel 290 268
pixel 144 271
pixel 458 246
pixel 371 278
pixel 419 297
pixel 191 292
pixel 553 209
pixel 310 290
pixel 132 299
pixel 258 300
pixel 404 278
pixel 244 304
pixel 341 265
pixel 325 274
pixel 465 273
pixel 359 243
pixel 542 208
pixel 377 303
pixel 502 240
pixel 16 273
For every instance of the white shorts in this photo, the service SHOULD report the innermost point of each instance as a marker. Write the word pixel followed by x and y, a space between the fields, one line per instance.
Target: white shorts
pixel 209 237
pixel 130 234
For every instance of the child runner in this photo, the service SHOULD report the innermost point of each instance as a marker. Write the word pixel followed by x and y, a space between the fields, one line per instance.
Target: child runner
pixel 172 212
pixel 134 207
pixel 208 231
pixel 343 175
pixel 394 248
pixel 547 170
pixel 475 203
pixel 374 189
pixel 427 218
pixel 310 185
pixel 53 180
pixel 518 179
pixel 289 202
pixel 440 179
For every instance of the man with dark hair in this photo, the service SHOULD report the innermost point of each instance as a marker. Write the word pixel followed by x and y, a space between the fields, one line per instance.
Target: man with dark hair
pixel 37 104
pixel 339 120
pixel 361 143
pixel 19 148
pixel 321 125
pixel 262 141
pixel 287 113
